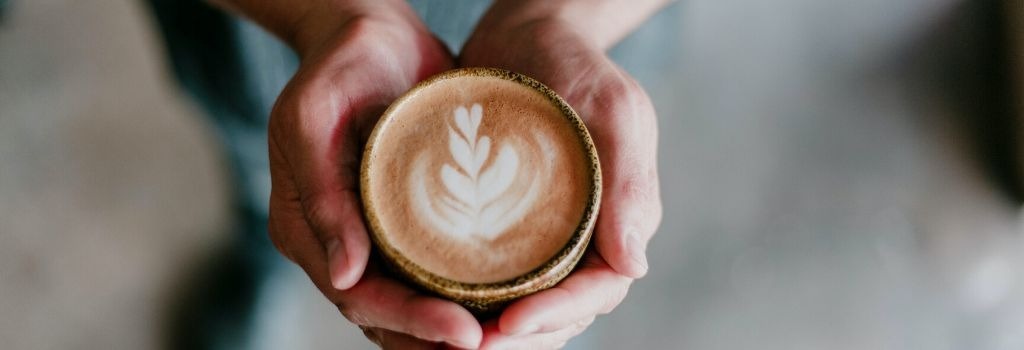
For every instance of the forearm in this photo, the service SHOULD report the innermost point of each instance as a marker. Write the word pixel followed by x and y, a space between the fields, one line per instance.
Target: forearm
pixel 603 22
pixel 303 24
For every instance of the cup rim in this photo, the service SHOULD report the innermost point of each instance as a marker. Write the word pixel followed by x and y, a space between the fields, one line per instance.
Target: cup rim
pixel 547 274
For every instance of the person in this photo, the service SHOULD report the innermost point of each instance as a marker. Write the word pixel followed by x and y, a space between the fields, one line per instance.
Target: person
pixel 354 58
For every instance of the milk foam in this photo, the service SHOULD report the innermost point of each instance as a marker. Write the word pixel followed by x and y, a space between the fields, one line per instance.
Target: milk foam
pixel 477 179
pixel 478 198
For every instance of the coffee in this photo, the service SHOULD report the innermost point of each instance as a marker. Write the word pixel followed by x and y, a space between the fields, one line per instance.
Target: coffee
pixel 479 178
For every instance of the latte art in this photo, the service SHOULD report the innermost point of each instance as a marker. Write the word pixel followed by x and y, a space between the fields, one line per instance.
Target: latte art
pixel 479 199
pixel 479 179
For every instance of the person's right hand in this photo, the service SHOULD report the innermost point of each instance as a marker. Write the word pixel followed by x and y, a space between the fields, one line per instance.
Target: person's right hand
pixel 350 71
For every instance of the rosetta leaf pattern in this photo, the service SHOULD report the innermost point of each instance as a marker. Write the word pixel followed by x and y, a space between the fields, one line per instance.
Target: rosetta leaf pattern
pixel 478 199
pixel 471 185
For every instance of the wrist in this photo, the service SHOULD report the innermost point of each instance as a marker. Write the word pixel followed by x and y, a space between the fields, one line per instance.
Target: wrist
pixel 601 23
pixel 307 25
pixel 523 18
pixel 512 43
pixel 321 26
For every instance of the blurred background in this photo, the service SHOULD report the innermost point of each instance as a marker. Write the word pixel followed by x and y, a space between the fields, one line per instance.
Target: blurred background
pixel 835 175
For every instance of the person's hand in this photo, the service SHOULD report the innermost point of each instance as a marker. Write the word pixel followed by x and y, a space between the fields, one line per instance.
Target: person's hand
pixel 622 122
pixel 352 68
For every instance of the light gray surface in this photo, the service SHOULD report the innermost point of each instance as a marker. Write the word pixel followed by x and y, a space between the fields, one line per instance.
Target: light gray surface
pixel 108 187
pixel 816 197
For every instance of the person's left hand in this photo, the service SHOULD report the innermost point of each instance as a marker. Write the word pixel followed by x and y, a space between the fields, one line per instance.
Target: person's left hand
pixel 623 124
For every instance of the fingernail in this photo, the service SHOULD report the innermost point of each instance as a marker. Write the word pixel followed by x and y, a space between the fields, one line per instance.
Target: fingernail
pixel 524 330
pixel 335 262
pixel 461 344
pixel 637 252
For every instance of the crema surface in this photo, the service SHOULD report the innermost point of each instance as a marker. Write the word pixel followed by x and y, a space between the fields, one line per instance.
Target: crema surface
pixel 478 179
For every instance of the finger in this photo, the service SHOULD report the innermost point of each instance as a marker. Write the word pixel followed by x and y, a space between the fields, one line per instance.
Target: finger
pixel 592 289
pixel 317 130
pixel 393 340
pixel 624 128
pixel 382 302
pixel 348 246
pixel 313 164
pixel 292 233
pixel 320 122
pixel 494 339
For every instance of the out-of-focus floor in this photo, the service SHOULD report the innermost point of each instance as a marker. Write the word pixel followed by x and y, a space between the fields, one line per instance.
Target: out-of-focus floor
pixel 821 190
pixel 112 188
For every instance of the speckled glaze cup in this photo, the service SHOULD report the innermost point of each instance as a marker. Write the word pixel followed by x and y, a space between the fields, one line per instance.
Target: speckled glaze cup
pixel 481 186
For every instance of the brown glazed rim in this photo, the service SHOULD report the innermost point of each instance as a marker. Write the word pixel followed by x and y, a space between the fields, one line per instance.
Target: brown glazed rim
pixel 480 295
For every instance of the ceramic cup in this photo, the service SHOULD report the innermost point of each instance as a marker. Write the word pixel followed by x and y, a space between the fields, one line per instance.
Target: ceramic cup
pixel 480 185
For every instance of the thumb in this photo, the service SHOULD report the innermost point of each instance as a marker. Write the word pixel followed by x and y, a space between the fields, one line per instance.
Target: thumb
pixel 631 210
pixel 314 149
pixel 336 219
pixel 630 213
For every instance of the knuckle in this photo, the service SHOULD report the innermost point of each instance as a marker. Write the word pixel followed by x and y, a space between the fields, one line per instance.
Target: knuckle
pixel 290 102
pixel 617 102
pixel 644 188
pixel 353 315
pixel 280 238
pixel 303 110
pixel 320 212
pixel 639 186
pixel 328 209
pixel 289 118
pixel 623 100
pixel 640 194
